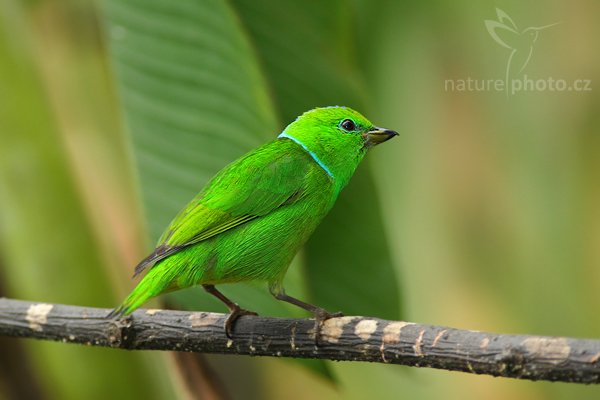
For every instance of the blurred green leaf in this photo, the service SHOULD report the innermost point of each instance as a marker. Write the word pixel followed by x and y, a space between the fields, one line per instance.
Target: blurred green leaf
pixel 348 261
pixel 350 267
pixel 314 64
pixel 194 100
pixel 47 245
pixel 193 96
pixel 190 81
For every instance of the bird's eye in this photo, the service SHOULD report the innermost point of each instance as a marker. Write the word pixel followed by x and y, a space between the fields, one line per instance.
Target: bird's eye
pixel 348 125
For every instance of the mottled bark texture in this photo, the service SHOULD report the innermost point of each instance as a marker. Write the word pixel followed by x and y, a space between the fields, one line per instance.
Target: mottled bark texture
pixel 343 339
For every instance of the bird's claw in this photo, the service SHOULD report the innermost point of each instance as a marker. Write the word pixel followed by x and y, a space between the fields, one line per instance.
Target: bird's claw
pixel 232 318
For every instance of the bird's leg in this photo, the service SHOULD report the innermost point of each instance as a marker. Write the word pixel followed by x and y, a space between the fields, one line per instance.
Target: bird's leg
pixel 320 314
pixel 235 311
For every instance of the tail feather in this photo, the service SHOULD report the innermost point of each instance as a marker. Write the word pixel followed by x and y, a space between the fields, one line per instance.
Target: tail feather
pixel 161 252
pixel 151 285
pixel 118 312
pixel 135 299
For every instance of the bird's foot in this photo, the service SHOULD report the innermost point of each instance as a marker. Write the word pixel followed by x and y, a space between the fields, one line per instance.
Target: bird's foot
pixel 322 315
pixel 234 314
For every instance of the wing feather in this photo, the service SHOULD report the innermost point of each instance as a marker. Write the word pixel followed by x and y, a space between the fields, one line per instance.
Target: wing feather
pixel 270 177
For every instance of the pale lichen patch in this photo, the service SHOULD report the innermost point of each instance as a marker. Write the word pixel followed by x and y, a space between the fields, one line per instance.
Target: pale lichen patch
pixel 37 316
pixel 438 337
pixel 152 311
pixel 229 343
pixel 419 343
pixel 203 319
pixel 293 339
pixel 334 327
pixel 365 328
pixel 554 349
pixel 484 343
pixel 391 333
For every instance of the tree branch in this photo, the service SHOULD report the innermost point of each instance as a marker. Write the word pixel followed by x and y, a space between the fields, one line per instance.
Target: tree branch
pixel 342 339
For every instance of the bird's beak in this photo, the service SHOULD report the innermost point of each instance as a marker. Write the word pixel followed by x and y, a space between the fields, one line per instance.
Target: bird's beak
pixel 540 28
pixel 378 135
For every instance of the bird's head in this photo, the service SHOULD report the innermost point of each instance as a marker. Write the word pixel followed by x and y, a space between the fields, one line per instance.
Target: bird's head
pixel 534 31
pixel 337 136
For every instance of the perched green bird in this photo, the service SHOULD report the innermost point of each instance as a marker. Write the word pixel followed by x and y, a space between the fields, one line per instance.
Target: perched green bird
pixel 254 215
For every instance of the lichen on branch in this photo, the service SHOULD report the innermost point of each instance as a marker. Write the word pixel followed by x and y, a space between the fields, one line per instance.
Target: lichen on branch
pixel 341 339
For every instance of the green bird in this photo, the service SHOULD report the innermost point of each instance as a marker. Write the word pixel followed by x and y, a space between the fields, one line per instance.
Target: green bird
pixel 254 215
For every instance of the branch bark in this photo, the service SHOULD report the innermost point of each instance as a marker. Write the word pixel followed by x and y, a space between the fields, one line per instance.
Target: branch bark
pixel 341 339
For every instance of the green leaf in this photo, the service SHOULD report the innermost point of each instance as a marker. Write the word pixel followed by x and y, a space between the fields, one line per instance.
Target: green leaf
pixel 192 92
pixel 349 266
pixel 194 100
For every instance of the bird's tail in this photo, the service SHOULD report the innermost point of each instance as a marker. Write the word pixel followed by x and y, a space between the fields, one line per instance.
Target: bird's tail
pixel 151 285
pixel 135 299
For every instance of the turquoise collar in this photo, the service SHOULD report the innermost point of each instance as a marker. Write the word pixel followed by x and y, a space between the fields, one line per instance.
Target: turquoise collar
pixel 313 155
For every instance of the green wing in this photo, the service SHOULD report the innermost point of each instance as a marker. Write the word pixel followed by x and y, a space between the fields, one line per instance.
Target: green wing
pixel 253 186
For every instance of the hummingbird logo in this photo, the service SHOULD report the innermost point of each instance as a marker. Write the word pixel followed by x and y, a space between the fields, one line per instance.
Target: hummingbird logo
pixel 520 42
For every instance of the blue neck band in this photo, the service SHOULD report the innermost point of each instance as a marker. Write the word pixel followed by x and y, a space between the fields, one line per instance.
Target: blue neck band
pixel 313 155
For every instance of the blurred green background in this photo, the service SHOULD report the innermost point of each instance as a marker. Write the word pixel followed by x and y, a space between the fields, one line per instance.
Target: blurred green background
pixel 484 214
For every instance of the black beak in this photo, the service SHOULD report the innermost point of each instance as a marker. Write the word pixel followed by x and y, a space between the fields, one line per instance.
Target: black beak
pixel 378 135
